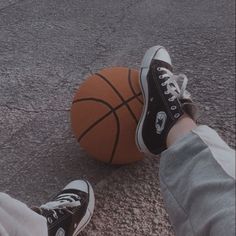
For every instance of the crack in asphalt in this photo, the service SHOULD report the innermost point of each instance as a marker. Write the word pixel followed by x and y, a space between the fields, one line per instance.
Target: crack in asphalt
pixel 34 111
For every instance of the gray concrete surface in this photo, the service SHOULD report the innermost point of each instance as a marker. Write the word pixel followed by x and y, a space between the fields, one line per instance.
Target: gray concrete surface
pixel 48 47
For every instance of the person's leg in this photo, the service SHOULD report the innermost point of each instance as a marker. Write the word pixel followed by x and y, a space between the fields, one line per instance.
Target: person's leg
pixel 19 220
pixel 197 171
pixel 181 128
pixel 197 175
pixel 67 214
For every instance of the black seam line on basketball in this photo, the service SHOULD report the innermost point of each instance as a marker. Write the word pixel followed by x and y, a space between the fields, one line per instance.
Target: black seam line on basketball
pixel 104 116
pixel 131 86
pixel 119 95
pixel 95 123
pixel 113 110
pixel 97 99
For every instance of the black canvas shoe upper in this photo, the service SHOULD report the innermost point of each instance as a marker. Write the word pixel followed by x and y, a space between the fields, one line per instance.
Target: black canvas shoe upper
pixel 164 101
pixel 68 212
pixel 163 110
pixel 72 206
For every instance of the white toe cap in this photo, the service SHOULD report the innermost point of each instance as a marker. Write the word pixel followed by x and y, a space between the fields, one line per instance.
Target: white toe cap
pixel 81 185
pixel 163 55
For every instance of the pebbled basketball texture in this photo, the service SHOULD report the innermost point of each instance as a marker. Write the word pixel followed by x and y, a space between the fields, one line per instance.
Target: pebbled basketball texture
pixel 105 113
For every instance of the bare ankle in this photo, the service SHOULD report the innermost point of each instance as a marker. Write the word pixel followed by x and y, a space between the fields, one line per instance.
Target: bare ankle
pixel 183 126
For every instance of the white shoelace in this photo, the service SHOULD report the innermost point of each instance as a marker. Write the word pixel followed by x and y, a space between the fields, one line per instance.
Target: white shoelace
pixel 172 84
pixel 63 201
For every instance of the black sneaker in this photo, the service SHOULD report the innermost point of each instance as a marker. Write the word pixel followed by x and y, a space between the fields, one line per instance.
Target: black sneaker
pixel 164 102
pixel 70 210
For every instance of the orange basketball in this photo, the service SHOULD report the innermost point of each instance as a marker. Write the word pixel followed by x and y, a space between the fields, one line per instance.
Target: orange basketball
pixel 105 113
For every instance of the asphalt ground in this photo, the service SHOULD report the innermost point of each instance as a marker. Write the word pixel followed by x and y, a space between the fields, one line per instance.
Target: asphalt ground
pixel 48 47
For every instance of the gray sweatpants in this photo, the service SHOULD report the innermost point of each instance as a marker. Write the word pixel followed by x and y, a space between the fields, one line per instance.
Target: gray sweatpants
pixel 197 181
pixel 197 177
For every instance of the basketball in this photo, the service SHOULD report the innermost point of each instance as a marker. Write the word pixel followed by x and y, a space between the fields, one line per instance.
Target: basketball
pixel 105 113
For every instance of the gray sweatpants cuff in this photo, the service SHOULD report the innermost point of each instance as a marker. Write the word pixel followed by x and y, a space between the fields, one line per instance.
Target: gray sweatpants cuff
pixel 197 177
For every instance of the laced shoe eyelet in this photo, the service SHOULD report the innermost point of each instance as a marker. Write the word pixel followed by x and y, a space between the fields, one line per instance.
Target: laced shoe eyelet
pixel 163 84
pixel 170 99
pixel 49 220
pixel 160 77
pixel 173 108
pixel 55 215
pixel 177 115
pixel 60 211
pixel 166 92
pixel 158 69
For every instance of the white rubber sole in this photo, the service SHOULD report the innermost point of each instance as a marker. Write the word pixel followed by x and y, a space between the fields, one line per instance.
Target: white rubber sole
pixel 88 215
pixel 149 55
